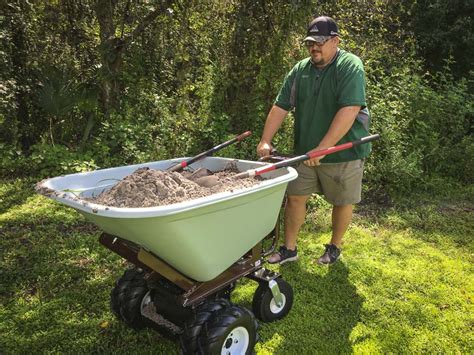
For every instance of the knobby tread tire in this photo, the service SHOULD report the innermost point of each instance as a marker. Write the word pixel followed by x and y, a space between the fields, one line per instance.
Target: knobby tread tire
pixel 193 326
pixel 121 286
pixel 130 309
pixel 215 331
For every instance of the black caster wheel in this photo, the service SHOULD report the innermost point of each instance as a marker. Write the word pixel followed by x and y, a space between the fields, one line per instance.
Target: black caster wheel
pixel 192 328
pixel 264 305
pixel 231 331
pixel 129 296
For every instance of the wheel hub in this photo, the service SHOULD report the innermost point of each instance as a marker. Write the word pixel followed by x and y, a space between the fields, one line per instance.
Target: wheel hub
pixel 275 308
pixel 236 342
pixel 145 301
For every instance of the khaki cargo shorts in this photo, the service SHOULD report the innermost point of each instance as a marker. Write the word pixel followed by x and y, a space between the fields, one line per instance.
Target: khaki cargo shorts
pixel 340 183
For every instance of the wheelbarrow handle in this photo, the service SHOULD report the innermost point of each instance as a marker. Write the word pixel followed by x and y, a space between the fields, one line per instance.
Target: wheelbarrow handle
pixel 185 163
pixel 274 157
pixel 309 155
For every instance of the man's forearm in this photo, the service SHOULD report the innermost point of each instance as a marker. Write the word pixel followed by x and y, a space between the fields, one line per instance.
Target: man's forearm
pixel 341 124
pixel 275 118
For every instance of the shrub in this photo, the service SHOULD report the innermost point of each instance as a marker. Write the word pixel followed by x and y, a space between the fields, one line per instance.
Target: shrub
pixel 422 120
pixel 45 161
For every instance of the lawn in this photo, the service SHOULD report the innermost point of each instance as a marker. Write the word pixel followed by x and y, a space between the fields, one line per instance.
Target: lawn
pixel 405 282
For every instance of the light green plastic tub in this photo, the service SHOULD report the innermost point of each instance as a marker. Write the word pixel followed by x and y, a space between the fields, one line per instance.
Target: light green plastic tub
pixel 201 238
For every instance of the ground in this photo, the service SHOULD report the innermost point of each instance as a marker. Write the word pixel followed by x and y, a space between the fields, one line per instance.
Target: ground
pixel 404 284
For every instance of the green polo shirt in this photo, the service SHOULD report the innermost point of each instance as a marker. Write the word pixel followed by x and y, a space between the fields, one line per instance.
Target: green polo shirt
pixel 316 95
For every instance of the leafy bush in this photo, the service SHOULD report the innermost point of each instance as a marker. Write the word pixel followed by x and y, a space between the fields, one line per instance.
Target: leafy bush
pixel 422 120
pixel 12 161
pixel 45 161
pixel 203 73
pixel 56 160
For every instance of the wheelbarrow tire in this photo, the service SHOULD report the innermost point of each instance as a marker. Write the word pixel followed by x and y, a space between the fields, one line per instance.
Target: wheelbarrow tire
pixel 264 306
pixel 121 286
pixel 131 308
pixel 233 329
pixel 193 327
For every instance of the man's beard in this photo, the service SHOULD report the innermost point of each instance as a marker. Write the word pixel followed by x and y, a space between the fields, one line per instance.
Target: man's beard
pixel 319 61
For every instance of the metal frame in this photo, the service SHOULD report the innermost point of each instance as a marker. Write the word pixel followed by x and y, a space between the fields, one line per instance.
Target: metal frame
pixel 250 265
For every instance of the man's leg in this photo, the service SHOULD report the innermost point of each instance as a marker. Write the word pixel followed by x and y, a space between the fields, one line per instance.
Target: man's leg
pixel 341 218
pixel 342 185
pixel 295 213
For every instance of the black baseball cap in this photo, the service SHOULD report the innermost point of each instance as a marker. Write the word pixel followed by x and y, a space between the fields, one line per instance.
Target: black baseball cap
pixel 321 26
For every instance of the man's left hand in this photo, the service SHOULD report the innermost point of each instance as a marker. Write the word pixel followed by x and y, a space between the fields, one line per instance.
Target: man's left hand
pixel 314 161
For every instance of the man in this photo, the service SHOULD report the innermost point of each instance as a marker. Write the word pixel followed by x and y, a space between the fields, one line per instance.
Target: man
pixel 327 93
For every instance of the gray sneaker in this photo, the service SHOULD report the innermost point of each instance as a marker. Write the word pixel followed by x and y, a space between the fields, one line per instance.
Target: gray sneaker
pixel 330 256
pixel 283 256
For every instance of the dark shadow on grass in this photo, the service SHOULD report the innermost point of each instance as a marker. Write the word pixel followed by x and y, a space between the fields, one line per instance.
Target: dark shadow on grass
pixel 15 193
pixel 57 301
pixel 55 283
pixel 325 310
pixel 48 328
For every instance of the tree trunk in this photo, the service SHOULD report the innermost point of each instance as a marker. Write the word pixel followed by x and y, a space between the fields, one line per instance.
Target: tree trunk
pixel 87 131
pixel 105 15
pixel 112 49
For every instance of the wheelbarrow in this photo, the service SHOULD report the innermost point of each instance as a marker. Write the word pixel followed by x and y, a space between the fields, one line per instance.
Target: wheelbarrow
pixel 188 256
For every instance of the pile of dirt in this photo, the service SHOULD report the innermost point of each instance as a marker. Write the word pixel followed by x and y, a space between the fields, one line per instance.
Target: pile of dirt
pixel 148 187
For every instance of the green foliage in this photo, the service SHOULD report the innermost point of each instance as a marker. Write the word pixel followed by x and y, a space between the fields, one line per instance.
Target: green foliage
pixel 444 30
pixel 11 161
pixel 121 142
pixel 203 72
pixel 424 122
pixel 45 160
pixel 56 96
pixel 58 160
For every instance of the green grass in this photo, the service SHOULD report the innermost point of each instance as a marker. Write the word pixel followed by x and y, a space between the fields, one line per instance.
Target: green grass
pixel 404 285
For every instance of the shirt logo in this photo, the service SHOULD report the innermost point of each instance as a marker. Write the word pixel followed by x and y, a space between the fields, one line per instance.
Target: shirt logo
pixel 304 76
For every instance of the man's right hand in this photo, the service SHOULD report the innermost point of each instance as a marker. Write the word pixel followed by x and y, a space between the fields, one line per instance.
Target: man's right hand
pixel 272 124
pixel 264 149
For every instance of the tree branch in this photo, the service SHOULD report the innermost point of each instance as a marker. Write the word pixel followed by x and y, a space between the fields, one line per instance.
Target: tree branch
pixel 152 15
